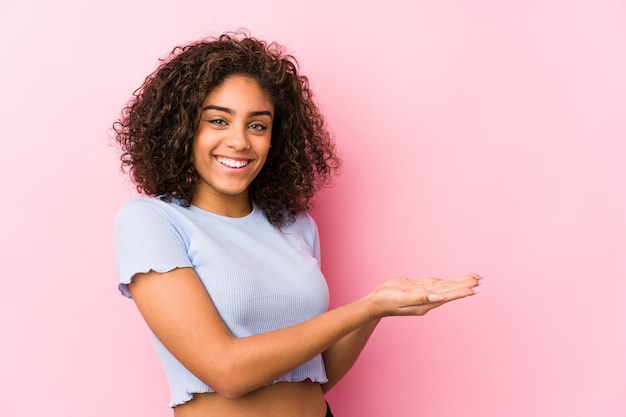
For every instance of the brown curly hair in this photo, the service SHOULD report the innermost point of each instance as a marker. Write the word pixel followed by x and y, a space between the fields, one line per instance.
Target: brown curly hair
pixel 157 126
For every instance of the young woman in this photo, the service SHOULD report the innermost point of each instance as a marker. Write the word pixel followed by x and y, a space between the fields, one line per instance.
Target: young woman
pixel 228 147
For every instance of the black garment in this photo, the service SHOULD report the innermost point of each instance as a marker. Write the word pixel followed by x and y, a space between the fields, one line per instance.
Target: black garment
pixel 328 412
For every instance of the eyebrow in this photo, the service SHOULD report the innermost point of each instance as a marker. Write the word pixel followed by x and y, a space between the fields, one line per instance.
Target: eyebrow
pixel 231 111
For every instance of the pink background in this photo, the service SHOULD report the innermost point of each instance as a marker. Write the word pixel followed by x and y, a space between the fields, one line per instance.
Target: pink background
pixel 481 135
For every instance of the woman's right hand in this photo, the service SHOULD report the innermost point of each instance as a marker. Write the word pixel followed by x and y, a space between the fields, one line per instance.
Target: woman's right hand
pixel 416 297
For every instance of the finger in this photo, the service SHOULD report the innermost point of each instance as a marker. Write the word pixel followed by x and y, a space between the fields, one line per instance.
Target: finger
pixel 419 297
pixel 442 291
pixel 422 281
pixel 456 293
pixel 429 280
pixel 436 284
pixel 434 298
pixel 471 280
pixel 453 290
pixel 468 277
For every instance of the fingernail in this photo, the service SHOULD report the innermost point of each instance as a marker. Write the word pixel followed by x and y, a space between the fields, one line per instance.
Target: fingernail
pixel 434 298
pixel 480 277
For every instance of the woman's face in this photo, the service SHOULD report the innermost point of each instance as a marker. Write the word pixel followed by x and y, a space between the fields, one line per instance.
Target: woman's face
pixel 232 141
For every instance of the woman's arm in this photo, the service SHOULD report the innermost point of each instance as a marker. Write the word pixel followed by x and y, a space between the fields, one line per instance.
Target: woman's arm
pixel 181 314
pixel 339 358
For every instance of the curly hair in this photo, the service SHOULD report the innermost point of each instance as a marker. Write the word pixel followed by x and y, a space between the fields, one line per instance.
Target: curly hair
pixel 157 126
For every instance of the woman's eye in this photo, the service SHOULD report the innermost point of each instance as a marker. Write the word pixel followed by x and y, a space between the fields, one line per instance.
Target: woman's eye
pixel 258 127
pixel 217 122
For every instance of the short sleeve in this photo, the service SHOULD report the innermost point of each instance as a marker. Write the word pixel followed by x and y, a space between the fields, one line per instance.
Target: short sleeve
pixel 147 238
pixel 306 228
pixel 315 243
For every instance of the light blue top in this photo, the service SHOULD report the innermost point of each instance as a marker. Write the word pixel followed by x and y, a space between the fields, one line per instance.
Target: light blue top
pixel 260 277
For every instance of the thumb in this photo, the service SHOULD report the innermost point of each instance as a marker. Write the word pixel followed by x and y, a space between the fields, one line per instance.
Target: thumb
pixel 427 297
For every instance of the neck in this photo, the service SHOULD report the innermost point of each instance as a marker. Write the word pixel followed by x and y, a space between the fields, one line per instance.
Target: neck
pixel 238 205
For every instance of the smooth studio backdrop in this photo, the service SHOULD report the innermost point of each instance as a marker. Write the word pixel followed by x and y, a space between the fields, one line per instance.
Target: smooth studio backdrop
pixel 482 135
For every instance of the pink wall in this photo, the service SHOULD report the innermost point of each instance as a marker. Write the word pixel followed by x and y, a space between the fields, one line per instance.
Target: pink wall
pixel 482 136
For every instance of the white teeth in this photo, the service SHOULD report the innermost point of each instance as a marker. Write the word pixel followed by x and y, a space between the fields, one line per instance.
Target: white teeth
pixel 231 162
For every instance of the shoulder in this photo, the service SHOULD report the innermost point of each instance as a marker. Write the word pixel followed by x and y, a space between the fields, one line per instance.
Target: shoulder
pixel 149 225
pixel 147 204
pixel 304 228
pixel 303 224
pixel 146 208
pixel 149 216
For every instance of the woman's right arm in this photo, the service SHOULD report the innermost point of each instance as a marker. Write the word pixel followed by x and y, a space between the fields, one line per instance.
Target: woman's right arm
pixel 181 314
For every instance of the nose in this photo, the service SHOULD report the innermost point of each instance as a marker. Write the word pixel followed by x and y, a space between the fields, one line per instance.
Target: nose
pixel 238 139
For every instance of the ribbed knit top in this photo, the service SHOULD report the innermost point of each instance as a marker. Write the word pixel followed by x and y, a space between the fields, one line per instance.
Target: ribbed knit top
pixel 260 277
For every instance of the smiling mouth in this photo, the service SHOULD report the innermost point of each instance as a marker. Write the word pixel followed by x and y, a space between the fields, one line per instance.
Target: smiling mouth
pixel 232 163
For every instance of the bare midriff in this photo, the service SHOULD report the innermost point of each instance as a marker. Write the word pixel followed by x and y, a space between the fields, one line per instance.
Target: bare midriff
pixel 284 399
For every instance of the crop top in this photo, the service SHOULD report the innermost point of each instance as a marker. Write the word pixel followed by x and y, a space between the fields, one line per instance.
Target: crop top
pixel 260 277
